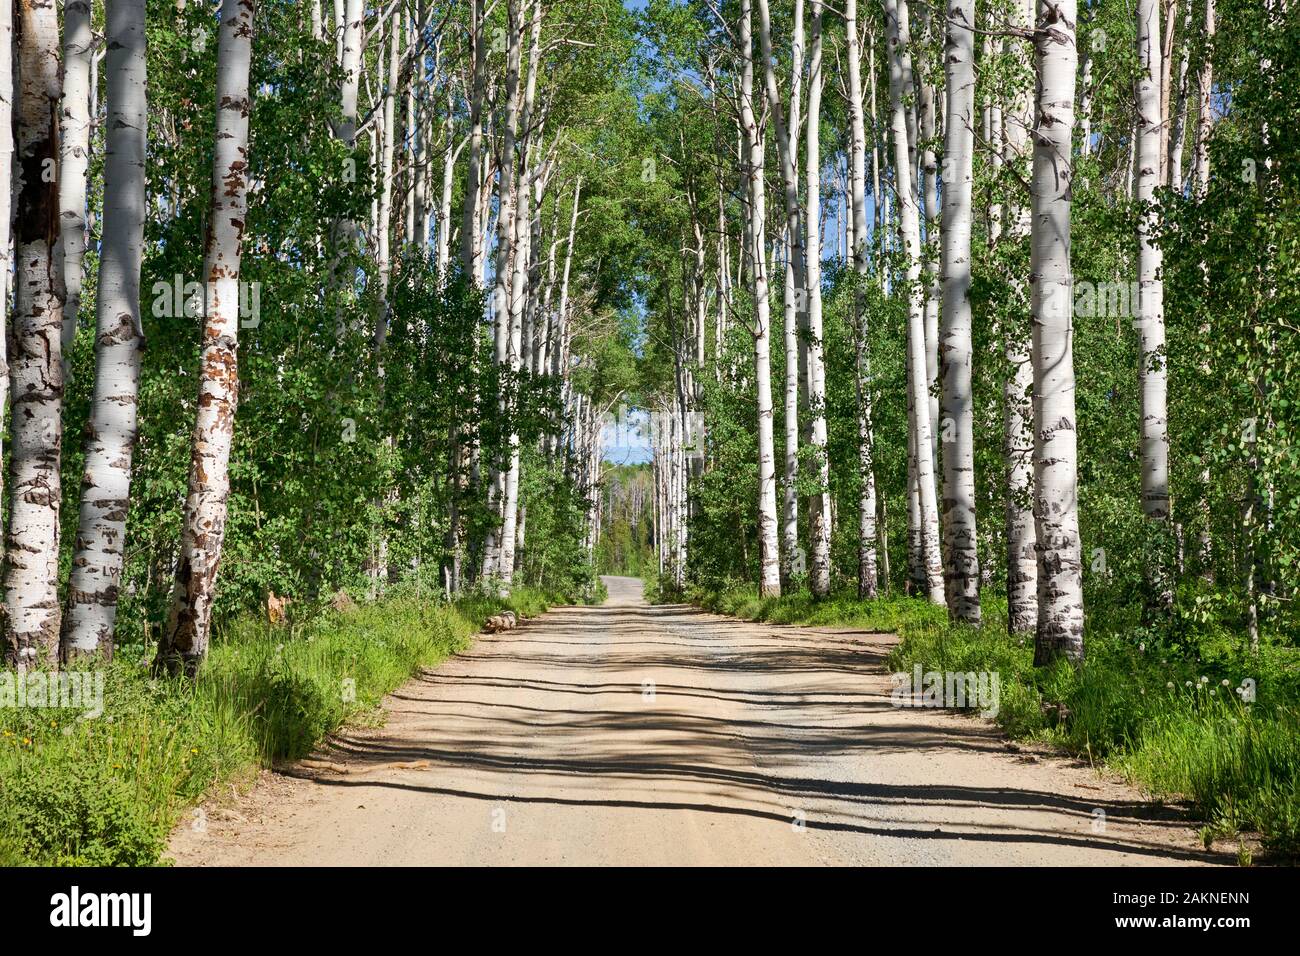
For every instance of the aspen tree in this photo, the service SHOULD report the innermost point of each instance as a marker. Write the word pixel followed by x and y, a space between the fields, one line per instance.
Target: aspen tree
pixel 36 353
pixel 520 290
pixel 857 215
pixel 74 158
pixel 6 202
pixel 795 294
pixel 901 91
pixel 1056 485
pixel 471 248
pixel 961 543
pixel 1205 108
pixel 1017 393
pixel 756 234
pixel 110 439
pixel 1178 121
pixel 184 641
pixel 820 530
pixel 1152 356
pixel 506 237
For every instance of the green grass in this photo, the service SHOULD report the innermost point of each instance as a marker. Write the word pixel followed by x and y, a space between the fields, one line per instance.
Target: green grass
pixel 1168 716
pixel 107 791
pixel 838 610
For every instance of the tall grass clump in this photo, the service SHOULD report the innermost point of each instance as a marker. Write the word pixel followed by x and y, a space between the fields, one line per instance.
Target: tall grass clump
pixel 1186 711
pixel 106 790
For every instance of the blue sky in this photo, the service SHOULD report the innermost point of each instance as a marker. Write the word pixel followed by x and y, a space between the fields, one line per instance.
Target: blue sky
pixel 627 438
pixel 627 441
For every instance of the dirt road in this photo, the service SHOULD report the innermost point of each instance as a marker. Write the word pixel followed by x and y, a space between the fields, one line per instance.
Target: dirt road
pixel 630 734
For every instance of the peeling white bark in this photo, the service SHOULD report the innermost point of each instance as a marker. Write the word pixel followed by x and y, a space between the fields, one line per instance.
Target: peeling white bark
pixel 36 369
pixel 184 641
pixel 1017 394
pixel 6 201
pixel 1056 500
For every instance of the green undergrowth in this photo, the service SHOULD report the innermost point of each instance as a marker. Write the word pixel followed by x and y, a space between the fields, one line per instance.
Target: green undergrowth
pixel 1200 719
pixel 106 790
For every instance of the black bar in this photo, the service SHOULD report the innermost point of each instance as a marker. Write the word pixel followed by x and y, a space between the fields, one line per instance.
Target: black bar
pixel 482 906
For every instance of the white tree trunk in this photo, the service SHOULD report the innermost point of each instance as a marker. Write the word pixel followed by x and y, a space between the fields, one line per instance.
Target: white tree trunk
pixel 795 297
pixel 184 642
pixel 1201 182
pixel 1165 48
pixel 383 238
pixel 110 439
pixel 916 533
pixel 74 158
pixel 1205 109
pixel 928 197
pixel 790 487
pixel 900 91
pixel 1152 367
pixel 506 237
pixel 443 255
pixel 961 544
pixel 559 360
pixel 769 558
pixel 413 137
pixel 819 579
pixel 878 205
pixel 1086 95
pixel 994 133
pixel 520 291
pixel 351 40
pixel 6 203
pixel 857 214
pixel 340 20
pixel 36 371
pixel 471 249
pixel 1017 394
pixel 1178 121
pixel 1056 501
pixel 378 568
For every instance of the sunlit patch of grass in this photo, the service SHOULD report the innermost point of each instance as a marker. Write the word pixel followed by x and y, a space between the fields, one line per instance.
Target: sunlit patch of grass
pixel 842 609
